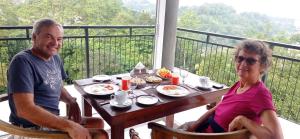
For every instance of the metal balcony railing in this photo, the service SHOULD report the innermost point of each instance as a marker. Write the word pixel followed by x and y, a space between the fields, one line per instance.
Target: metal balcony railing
pixel 91 50
pixel 88 50
pixel 211 54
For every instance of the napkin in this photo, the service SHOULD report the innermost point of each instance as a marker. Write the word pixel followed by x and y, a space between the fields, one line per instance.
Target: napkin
pixel 139 66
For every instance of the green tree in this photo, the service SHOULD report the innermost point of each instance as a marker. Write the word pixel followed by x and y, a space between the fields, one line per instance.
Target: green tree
pixel 8 16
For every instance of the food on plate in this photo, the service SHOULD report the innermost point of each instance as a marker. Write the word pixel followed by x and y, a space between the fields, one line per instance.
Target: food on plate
pixel 138 81
pixel 102 87
pixel 164 73
pixel 170 87
pixel 172 90
pixel 153 79
pixel 109 87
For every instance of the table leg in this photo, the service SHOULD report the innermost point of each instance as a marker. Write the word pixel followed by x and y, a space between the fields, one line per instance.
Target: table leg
pixel 117 132
pixel 87 108
pixel 170 120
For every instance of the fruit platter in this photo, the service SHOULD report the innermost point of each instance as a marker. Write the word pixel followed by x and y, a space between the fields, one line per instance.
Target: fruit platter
pixel 164 73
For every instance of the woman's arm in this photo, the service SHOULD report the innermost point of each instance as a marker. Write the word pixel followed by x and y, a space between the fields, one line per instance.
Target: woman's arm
pixel 269 130
pixel 203 118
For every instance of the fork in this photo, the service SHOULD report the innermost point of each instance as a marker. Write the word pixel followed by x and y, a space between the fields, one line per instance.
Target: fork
pixel 160 100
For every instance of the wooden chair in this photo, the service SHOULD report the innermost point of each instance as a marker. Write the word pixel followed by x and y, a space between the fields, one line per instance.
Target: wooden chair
pixel 162 132
pixel 31 133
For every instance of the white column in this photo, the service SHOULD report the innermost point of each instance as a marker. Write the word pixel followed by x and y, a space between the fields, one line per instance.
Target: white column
pixel 166 26
pixel 159 33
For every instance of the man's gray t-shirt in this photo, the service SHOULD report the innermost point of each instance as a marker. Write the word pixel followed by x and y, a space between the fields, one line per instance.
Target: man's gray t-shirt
pixel 30 74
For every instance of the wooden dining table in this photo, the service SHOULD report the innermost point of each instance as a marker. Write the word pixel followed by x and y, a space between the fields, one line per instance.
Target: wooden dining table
pixel 121 118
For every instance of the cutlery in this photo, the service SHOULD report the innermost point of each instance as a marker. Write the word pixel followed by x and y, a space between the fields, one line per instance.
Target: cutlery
pixel 146 88
pixel 160 100
pixel 103 103
pixel 185 86
pixel 195 88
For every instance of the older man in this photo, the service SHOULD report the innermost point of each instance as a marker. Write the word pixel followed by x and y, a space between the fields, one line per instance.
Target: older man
pixel 35 86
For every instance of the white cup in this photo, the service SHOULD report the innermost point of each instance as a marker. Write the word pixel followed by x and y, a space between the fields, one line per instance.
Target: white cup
pixel 120 97
pixel 204 81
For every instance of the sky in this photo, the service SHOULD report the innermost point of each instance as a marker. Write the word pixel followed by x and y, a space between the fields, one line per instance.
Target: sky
pixel 274 8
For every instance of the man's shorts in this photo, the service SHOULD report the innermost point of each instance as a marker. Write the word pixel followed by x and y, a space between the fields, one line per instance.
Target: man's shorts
pixel 33 128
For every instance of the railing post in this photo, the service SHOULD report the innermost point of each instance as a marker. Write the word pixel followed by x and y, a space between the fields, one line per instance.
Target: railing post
pixel 264 77
pixel 27 33
pixel 87 54
pixel 206 45
pixel 207 39
pixel 130 31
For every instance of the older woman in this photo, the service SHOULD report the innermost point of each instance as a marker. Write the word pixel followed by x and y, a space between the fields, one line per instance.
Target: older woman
pixel 248 103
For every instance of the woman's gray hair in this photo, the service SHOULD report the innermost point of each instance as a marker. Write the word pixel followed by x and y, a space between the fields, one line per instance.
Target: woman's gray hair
pixel 258 47
pixel 46 22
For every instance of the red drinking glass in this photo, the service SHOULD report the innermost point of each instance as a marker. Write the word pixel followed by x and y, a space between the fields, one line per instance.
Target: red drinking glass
pixel 125 84
pixel 175 79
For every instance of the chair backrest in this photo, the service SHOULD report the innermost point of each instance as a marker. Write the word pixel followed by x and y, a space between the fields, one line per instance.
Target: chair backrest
pixel 25 132
pixel 162 132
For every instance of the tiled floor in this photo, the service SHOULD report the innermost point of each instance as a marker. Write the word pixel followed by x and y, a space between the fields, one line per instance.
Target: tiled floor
pixel 290 130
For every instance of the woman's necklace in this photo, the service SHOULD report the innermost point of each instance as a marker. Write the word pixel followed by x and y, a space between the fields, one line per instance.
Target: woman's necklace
pixel 245 87
pixel 241 90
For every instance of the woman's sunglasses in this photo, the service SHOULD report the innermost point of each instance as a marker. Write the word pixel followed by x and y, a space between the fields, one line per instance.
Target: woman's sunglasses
pixel 249 60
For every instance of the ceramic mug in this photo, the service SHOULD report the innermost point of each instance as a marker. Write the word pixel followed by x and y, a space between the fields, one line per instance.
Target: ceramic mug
pixel 120 97
pixel 204 81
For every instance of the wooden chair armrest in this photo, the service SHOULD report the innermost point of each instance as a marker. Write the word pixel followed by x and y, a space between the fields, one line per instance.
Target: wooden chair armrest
pixel 15 130
pixel 161 131
pixel 32 133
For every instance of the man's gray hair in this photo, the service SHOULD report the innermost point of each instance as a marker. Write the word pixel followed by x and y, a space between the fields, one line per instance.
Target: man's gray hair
pixel 46 22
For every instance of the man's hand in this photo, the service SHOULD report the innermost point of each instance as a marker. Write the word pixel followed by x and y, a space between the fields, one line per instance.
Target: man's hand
pixel 236 123
pixel 74 112
pixel 76 131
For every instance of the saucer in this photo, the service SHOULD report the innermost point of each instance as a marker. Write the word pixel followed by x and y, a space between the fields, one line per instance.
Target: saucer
pixel 205 87
pixel 147 100
pixel 127 103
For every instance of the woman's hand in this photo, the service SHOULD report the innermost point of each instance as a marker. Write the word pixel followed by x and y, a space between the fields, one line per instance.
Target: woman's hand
pixel 270 128
pixel 192 126
pixel 236 123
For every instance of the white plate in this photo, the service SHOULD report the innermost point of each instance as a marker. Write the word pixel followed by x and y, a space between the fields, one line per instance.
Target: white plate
pixel 101 89
pixel 177 91
pixel 101 78
pixel 114 103
pixel 147 100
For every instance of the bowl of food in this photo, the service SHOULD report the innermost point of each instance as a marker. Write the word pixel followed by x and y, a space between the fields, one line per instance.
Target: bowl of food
pixel 139 82
pixel 153 79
